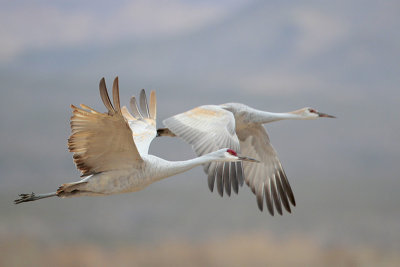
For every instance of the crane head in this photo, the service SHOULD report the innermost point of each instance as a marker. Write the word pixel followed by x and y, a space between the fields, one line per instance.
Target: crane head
pixel 231 155
pixel 311 113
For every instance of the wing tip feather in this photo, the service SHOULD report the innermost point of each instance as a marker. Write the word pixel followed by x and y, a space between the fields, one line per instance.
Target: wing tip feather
pixel 153 105
pixel 115 91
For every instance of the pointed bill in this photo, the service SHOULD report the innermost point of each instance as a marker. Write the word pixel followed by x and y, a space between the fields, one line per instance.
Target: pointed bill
pixel 323 115
pixel 244 158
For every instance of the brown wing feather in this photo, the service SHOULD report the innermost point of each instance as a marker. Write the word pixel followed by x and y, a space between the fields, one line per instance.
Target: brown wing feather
pixel 153 105
pixel 117 105
pixel 104 96
pixel 100 141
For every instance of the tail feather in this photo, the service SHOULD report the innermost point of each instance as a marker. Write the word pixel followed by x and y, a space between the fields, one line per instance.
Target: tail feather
pixel 165 132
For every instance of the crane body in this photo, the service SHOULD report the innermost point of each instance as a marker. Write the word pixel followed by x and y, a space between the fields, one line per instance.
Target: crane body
pixel 239 127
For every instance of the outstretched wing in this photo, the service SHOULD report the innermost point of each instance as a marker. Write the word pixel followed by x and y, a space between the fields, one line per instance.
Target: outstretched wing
pixel 209 128
pixel 102 141
pixel 266 178
pixel 143 121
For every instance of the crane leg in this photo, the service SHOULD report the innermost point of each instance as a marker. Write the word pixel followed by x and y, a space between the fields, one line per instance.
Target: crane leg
pixel 33 197
pixel 65 190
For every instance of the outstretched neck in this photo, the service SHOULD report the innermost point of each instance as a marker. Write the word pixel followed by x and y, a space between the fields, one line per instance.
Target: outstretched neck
pixel 170 168
pixel 262 117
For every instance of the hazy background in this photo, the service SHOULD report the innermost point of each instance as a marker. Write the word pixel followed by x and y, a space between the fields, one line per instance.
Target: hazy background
pixel 340 57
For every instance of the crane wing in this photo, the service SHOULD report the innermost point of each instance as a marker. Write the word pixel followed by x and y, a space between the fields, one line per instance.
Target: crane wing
pixel 266 178
pixel 102 141
pixel 143 121
pixel 209 128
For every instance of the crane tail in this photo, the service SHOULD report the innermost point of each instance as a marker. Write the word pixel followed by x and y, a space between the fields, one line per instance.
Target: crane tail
pixel 33 197
pixel 165 132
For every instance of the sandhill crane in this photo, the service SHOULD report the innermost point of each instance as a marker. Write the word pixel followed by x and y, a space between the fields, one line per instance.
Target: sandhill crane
pixel 240 128
pixel 111 149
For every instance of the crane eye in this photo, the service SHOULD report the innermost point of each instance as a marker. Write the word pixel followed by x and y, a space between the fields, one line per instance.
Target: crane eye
pixel 312 110
pixel 232 152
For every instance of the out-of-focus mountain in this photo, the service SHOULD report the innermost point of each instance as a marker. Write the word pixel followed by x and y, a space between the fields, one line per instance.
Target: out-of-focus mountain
pixel 267 41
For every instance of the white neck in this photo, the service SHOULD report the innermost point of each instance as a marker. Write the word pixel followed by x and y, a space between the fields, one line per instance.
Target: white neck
pixel 170 168
pixel 266 117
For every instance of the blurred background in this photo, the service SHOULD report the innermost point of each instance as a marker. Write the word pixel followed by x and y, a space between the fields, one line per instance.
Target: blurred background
pixel 340 57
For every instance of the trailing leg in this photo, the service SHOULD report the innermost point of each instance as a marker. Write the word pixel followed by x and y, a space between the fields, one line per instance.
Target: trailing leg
pixel 33 197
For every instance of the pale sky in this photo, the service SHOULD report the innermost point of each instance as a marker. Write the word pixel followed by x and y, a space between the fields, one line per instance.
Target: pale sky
pixel 27 25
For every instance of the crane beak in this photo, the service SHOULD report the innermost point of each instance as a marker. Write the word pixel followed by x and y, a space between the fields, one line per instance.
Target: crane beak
pixel 323 115
pixel 243 158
